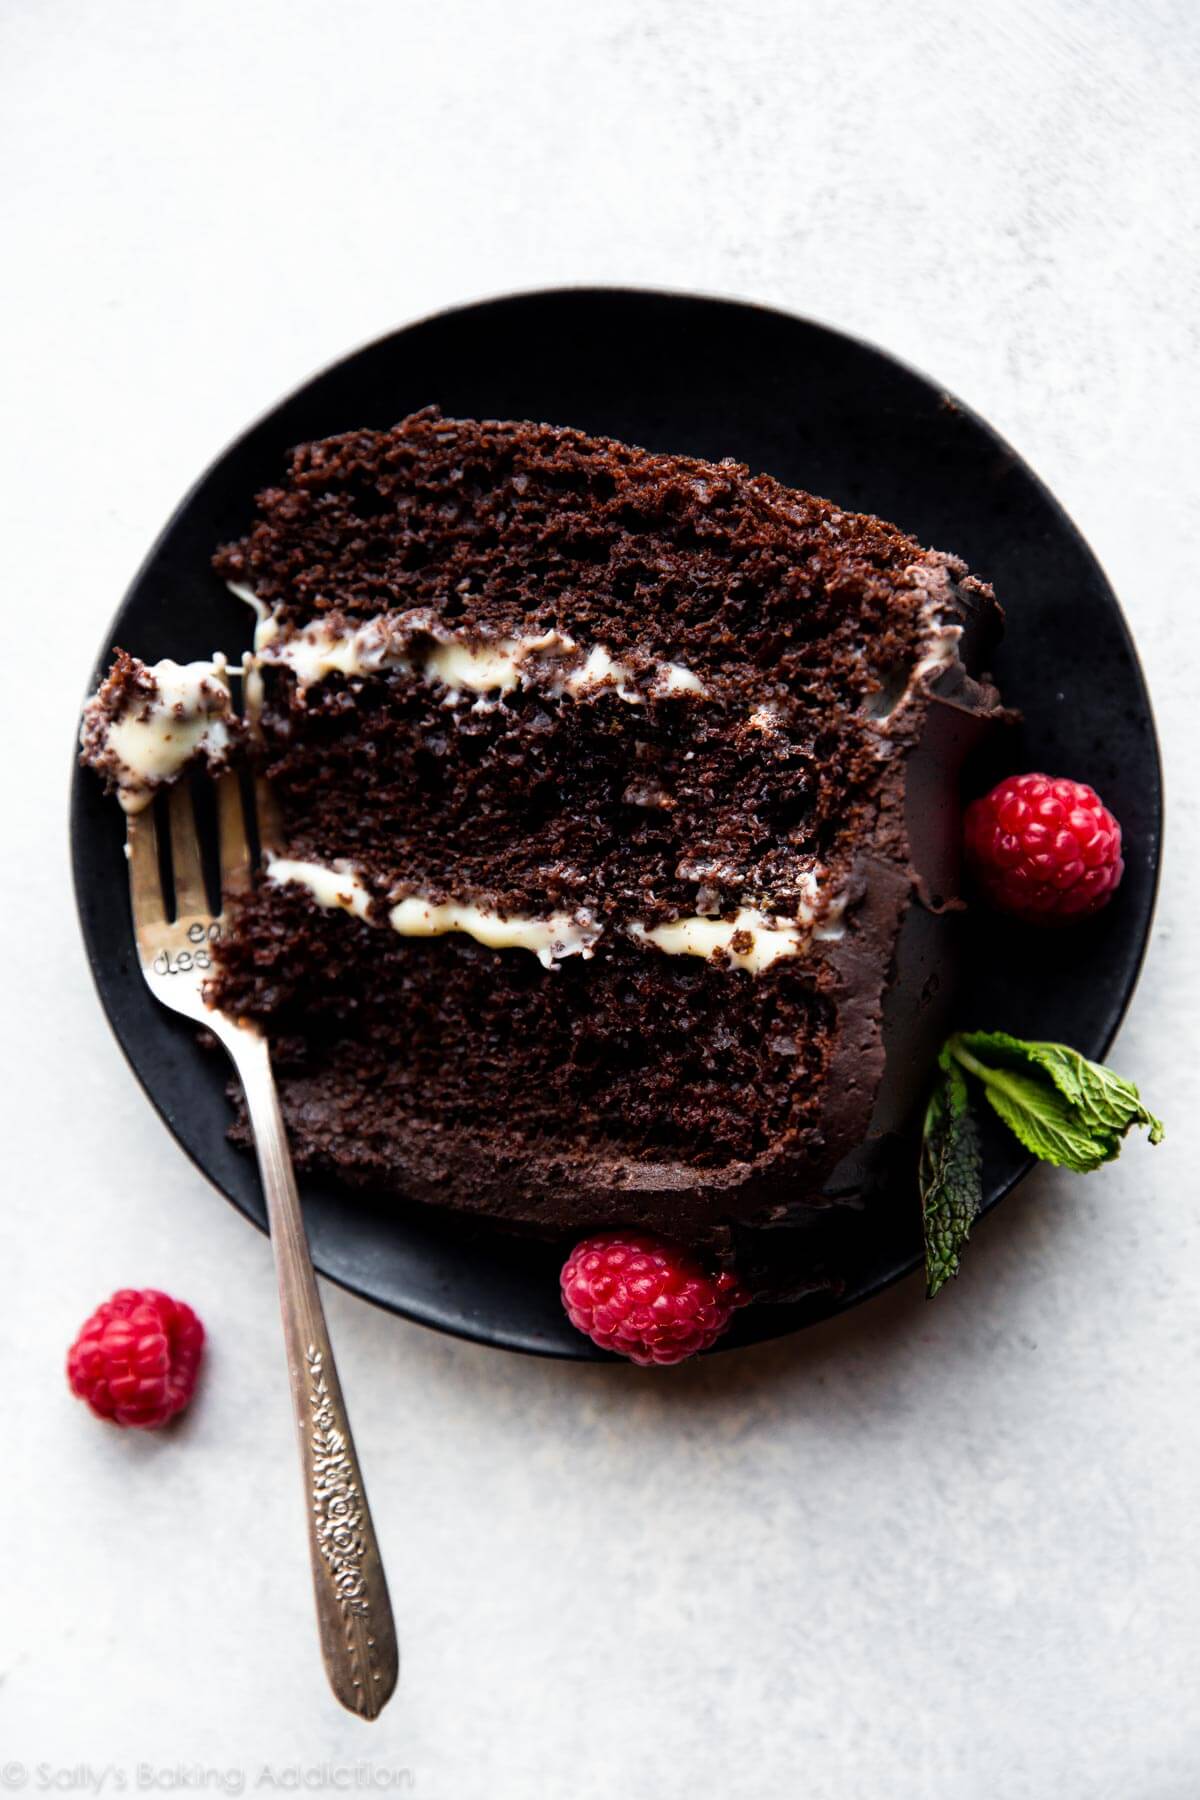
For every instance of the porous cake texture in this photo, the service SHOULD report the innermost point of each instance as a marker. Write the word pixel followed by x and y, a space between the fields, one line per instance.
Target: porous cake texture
pixel 606 784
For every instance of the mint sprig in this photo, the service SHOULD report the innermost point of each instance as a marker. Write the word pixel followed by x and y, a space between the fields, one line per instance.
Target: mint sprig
pixel 951 1176
pixel 1064 1109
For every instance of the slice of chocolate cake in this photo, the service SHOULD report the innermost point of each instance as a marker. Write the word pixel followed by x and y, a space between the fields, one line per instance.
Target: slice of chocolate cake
pixel 617 804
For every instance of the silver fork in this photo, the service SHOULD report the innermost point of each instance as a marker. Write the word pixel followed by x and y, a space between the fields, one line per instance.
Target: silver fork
pixel 354 1613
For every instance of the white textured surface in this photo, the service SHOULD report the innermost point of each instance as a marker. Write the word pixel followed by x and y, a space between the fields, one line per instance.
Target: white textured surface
pixel 927 1554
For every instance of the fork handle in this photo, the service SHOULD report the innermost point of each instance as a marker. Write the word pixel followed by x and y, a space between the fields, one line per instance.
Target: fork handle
pixel 354 1613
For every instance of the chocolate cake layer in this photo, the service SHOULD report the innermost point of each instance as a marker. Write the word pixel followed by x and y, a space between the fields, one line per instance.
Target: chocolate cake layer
pixel 464 1075
pixel 647 722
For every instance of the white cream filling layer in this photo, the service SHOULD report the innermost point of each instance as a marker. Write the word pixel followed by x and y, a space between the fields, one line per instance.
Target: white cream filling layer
pixel 550 659
pixel 481 668
pixel 941 647
pixel 751 940
pixel 550 938
pixel 941 650
pixel 330 884
pixel 188 715
pixel 677 678
pixel 338 886
pixel 598 669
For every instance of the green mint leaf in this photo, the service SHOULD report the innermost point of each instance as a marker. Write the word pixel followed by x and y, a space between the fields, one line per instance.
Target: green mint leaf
pixel 1104 1098
pixel 950 1176
pixel 1064 1109
pixel 1046 1124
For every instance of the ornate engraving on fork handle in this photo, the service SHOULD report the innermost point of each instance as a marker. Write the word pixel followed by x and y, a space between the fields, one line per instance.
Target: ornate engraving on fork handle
pixel 340 1537
pixel 336 1502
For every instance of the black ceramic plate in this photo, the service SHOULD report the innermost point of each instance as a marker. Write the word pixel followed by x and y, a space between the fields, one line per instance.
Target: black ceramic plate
pixel 714 378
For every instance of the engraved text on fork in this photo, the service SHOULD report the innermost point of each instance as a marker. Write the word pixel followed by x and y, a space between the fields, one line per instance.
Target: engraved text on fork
pixel 183 962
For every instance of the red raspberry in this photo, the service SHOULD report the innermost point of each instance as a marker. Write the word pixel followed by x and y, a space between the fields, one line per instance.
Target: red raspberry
pixel 645 1299
pixel 1044 849
pixel 135 1360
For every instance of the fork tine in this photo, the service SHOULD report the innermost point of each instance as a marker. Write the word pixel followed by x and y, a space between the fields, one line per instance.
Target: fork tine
pixel 145 884
pixel 270 829
pixel 191 896
pixel 231 828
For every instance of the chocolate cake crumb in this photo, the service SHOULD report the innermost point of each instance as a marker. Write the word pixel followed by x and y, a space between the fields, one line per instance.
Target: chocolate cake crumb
pixel 725 713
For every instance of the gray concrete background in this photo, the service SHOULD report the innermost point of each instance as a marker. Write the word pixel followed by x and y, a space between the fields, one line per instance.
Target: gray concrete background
pixel 946 1552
